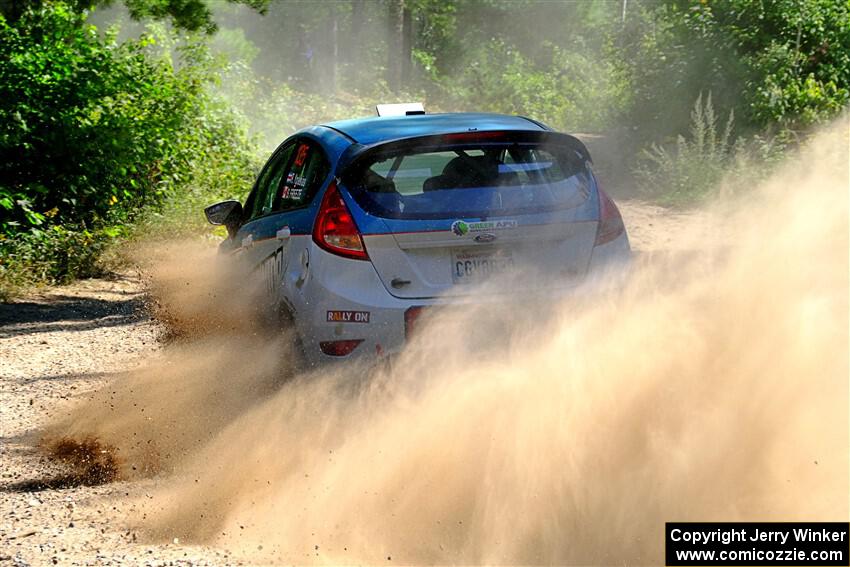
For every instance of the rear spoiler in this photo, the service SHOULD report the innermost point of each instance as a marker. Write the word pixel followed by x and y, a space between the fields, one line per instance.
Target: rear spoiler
pixel 356 151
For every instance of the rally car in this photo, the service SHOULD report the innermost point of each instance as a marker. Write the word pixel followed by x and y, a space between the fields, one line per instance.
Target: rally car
pixel 357 226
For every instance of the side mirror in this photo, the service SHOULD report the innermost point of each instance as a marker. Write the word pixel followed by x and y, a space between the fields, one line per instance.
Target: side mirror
pixel 227 213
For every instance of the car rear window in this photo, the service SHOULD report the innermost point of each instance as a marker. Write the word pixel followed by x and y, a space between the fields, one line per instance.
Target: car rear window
pixel 490 179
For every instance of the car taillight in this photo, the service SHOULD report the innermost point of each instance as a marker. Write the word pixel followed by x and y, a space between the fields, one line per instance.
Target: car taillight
pixel 335 230
pixel 610 222
pixel 410 317
pixel 339 348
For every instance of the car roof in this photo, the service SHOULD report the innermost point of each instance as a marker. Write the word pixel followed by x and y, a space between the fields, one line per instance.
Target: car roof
pixel 376 129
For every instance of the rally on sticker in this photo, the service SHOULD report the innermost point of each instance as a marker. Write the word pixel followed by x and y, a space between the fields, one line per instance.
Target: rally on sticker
pixel 348 316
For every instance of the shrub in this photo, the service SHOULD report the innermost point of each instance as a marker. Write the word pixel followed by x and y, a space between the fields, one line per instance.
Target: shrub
pixel 92 129
pixel 695 165
pixel 93 133
pixel 698 165
pixel 54 255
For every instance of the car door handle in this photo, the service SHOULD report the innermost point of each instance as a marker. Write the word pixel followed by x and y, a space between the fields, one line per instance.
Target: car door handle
pixel 283 233
pixel 398 282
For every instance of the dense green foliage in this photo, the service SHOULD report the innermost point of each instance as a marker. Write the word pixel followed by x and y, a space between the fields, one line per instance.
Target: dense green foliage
pixel 101 138
pixel 783 62
pixel 191 15
pixel 590 65
pixel 796 54
pixel 93 131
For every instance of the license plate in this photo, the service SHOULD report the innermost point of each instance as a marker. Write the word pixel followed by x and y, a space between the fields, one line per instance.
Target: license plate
pixel 478 265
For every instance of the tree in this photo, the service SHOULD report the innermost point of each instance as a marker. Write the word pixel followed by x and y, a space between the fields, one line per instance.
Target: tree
pixel 191 15
pixel 797 53
pixel 406 44
pixel 395 43
pixel 783 61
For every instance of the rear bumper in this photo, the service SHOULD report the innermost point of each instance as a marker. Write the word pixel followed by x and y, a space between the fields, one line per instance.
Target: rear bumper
pixel 345 300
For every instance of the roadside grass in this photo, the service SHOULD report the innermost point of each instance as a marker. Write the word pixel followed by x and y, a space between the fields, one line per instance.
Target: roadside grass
pixel 60 254
pixel 708 161
pixel 56 255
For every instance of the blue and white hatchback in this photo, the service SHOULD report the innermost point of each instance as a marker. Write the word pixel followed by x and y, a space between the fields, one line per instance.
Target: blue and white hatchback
pixel 357 226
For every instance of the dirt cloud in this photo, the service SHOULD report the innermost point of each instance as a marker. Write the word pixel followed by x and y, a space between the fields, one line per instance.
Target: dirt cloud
pixel 712 389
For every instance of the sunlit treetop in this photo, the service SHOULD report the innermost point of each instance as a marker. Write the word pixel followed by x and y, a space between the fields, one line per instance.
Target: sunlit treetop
pixel 191 15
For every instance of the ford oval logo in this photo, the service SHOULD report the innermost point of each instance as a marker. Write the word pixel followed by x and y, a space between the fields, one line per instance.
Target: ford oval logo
pixel 485 238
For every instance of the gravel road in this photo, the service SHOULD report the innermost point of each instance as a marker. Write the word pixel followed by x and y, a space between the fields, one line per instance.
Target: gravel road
pixel 61 344
pixel 57 346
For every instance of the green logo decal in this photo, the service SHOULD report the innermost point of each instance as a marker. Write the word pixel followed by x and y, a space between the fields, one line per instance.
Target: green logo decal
pixel 459 228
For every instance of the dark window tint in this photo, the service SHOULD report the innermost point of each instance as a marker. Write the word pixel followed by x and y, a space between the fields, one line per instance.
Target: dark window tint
pixel 307 171
pixel 493 179
pixel 289 180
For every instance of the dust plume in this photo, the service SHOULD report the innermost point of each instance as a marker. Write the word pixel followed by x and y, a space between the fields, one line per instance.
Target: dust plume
pixel 194 291
pixel 712 389
pixel 220 358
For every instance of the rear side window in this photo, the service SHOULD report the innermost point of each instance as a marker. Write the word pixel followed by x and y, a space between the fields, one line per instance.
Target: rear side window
pixel 492 179
pixel 308 169
pixel 289 180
